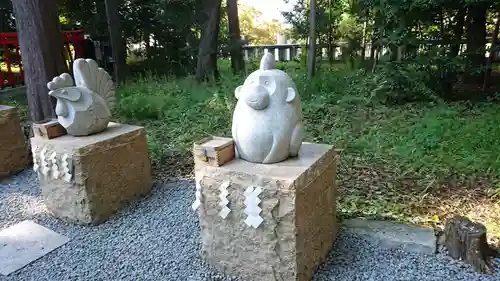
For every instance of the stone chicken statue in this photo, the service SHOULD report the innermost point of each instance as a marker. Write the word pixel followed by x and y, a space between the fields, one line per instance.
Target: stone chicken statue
pixel 267 121
pixel 83 106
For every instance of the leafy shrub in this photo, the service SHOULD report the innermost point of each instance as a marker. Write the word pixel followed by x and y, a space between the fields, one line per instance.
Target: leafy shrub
pixel 394 83
pixel 444 73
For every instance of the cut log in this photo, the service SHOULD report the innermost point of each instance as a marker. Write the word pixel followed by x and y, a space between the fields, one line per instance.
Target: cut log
pixel 466 240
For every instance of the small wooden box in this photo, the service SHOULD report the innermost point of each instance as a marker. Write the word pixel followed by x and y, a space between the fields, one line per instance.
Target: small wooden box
pixel 215 151
pixel 49 129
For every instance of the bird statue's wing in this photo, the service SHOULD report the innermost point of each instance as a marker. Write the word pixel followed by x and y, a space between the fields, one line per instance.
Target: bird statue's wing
pixel 89 75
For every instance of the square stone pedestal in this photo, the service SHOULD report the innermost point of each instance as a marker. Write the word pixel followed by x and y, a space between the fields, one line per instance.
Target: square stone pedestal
pixel 14 153
pixel 298 208
pixel 87 179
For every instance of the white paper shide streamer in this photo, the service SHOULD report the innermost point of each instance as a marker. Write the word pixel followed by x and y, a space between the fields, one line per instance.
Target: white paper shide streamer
pixel 223 200
pixel 55 168
pixel 51 164
pixel 66 164
pixel 36 163
pixel 43 162
pixel 196 204
pixel 252 208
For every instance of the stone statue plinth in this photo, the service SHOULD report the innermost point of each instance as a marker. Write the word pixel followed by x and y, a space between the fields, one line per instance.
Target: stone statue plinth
pixel 14 153
pixel 87 179
pixel 267 222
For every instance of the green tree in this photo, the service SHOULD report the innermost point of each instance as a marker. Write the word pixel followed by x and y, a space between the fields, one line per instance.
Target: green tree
pixel 7 23
pixel 209 42
pixel 41 46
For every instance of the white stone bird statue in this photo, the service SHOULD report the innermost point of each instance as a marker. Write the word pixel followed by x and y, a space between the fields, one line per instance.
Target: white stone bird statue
pixel 83 108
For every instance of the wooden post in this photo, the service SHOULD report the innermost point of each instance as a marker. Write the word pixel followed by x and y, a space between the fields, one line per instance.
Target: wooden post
pixel 41 45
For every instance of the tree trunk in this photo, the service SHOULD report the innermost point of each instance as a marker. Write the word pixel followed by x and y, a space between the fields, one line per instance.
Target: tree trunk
pixel 41 45
pixel 311 55
pixel 207 52
pixel 377 33
pixel 118 45
pixel 3 19
pixel 493 51
pixel 373 47
pixel 234 36
pixel 363 47
pixel 330 34
pixel 476 39
pixel 458 31
pixel 377 47
pixel 146 37
pixel 401 49
pixel 466 240
pixel 375 59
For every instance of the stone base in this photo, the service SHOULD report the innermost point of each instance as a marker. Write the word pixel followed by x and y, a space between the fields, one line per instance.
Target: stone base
pixel 14 153
pixel 298 205
pixel 93 176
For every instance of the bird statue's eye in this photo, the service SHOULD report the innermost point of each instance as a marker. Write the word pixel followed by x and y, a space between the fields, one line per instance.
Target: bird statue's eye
pixel 266 83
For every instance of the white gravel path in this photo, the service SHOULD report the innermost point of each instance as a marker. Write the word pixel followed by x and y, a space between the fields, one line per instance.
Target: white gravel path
pixel 157 238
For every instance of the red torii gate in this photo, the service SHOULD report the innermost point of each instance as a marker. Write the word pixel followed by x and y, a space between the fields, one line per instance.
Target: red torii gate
pixel 75 38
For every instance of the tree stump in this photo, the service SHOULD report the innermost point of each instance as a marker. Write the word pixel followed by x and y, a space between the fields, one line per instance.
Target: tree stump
pixel 466 240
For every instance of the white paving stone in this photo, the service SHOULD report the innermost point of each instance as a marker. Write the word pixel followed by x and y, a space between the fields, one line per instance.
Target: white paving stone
pixel 394 235
pixel 25 242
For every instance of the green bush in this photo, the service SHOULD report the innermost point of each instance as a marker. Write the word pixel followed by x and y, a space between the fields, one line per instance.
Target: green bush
pixel 398 83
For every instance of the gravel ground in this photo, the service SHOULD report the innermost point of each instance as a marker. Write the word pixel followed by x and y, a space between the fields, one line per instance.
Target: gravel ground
pixel 157 238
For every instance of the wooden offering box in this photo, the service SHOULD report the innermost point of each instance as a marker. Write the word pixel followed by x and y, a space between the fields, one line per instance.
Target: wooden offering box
pixel 49 129
pixel 214 151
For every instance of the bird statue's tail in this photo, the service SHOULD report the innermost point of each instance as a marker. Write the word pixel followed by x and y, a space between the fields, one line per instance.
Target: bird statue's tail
pixel 89 75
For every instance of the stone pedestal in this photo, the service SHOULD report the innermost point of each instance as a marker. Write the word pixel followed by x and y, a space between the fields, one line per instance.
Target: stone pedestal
pixel 87 179
pixel 14 153
pixel 298 202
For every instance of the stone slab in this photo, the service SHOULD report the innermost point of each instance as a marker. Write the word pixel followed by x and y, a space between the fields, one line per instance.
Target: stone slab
pixel 106 171
pixel 395 235
pixel 14 153
pixel 25 242
pixel 298 203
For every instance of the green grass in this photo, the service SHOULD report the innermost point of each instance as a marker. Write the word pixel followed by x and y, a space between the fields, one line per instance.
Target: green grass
pixel 415 163
pixel 440 139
